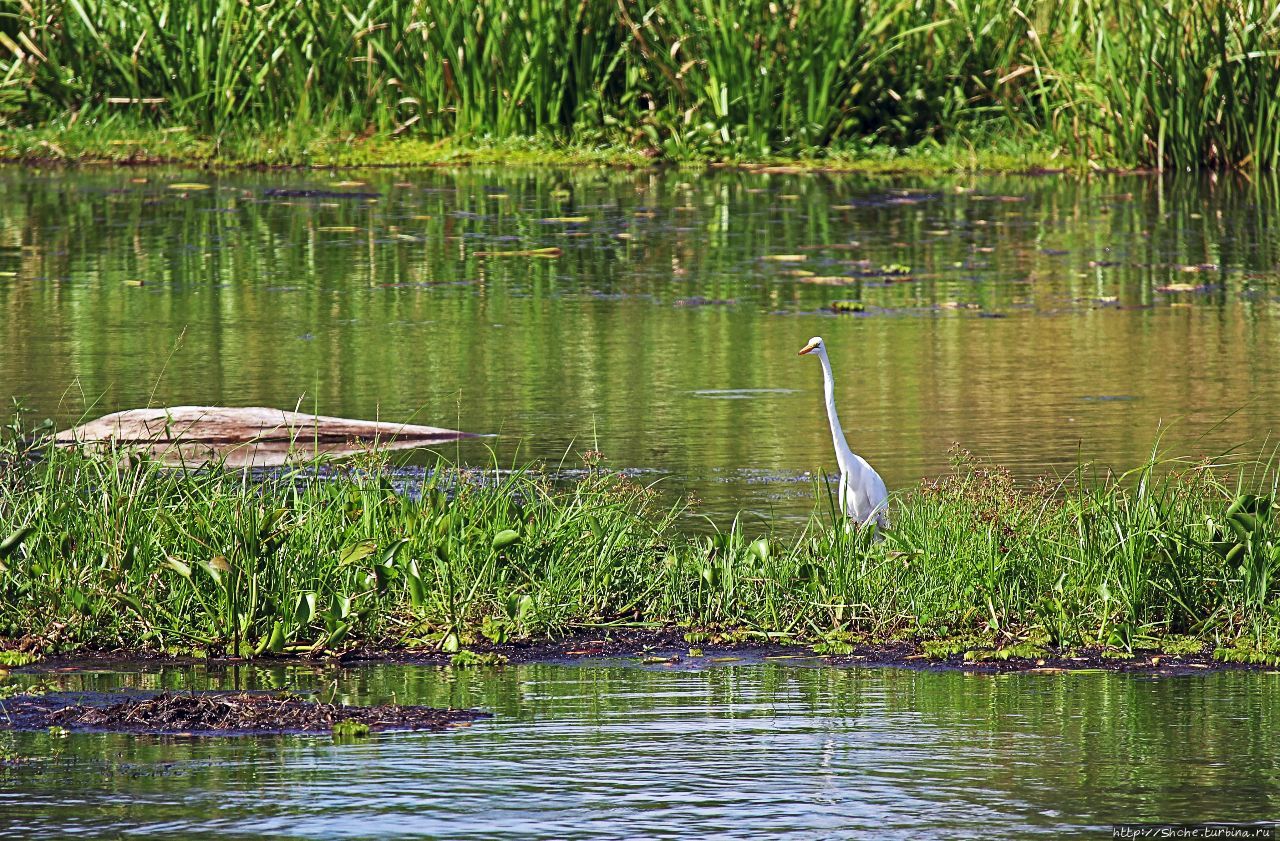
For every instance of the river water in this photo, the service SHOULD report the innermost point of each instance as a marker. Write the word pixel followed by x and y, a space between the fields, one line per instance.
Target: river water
pixel 1037 321
pixel 613 749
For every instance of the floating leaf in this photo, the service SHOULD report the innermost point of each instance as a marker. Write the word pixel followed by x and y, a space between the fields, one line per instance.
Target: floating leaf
pixel 567 220
pixel 188 187
pixel 337 229
pixel 135 283
pixel 848 306
pixel 786 258
pixel 528 252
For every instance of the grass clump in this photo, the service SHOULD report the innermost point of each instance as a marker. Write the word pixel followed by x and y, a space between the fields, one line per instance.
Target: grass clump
pixel 106 553
pixel 473 659
pixel 348 729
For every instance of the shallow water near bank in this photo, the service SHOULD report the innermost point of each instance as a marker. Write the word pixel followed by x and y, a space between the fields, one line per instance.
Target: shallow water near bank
pixel 1038 321
pixel 616 749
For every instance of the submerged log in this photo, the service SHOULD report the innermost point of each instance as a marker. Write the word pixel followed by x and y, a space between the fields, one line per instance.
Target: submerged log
pixel 193 436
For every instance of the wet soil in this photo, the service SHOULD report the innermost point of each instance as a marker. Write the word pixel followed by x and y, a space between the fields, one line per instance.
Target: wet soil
pixel 668 647
pixel 216 713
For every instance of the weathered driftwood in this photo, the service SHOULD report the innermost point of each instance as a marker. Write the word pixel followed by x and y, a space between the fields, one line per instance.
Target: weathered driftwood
pixel 246 437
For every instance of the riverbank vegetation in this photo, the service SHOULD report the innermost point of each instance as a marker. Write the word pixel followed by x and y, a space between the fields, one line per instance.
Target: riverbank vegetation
pixel 99 554
pixel 1175 84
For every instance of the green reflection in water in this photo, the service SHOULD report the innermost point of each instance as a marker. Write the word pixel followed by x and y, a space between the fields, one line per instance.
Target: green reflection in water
pixel 609 750
pixel 670 347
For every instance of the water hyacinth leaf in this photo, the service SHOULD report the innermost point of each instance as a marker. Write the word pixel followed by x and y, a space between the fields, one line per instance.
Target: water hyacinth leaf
pixel 11 543
pixel 304 609
pixel 178 566
pixel 337 635
pixel 357 552
pixel 131 602
pixel 383 575
pixel 525 608
pixel 389 556
pixel 760 549
pixel 505 538
pixel 277 641
pixel 340 606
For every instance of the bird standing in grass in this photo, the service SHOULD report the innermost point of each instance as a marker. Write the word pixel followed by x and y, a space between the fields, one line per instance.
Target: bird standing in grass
pixel 863 496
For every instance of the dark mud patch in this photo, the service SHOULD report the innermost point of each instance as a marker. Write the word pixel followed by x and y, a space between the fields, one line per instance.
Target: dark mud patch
pixel 674 647
pixel 217 714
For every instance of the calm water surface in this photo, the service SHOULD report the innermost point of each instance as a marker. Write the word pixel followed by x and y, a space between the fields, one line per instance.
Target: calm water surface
pixel 621 751
pixel 1020 317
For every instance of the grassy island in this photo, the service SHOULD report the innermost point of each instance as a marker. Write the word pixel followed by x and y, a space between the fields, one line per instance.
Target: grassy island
pixel 101 554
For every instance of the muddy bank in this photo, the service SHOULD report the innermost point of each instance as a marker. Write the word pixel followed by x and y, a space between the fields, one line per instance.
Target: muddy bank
pixel 670 648
pixel 219 714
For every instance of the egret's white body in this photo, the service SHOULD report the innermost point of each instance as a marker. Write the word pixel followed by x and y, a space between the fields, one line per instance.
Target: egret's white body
pixel 863 496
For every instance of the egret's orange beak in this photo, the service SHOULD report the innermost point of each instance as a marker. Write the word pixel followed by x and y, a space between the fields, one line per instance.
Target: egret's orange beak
pixel 807 348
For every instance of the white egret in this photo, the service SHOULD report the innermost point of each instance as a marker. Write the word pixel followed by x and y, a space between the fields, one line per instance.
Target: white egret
pixel 863 496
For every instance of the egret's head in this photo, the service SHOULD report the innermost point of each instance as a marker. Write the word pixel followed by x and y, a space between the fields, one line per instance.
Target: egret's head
pixel 814 344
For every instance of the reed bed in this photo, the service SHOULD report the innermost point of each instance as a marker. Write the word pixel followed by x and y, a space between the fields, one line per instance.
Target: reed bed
pixel 1175 83
pixel 101 553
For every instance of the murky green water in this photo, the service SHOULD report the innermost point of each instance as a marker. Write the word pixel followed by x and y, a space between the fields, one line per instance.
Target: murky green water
pixel 1030 328
pixel 734 751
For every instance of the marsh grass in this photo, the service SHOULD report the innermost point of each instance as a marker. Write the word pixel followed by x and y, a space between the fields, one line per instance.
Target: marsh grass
pixel 104 552
pixel 1173 84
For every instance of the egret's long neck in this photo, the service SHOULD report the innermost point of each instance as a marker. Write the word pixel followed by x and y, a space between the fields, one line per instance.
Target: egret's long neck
pixel 843 452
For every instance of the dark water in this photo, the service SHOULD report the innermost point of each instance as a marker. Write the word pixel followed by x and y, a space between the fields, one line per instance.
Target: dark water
pixel 732 751
pixel 1030 328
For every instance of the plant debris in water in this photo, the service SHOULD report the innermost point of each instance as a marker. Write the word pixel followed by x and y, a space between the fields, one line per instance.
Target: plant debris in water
pixel 224 713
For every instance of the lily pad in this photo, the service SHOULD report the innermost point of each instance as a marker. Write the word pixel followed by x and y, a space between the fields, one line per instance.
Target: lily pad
pixel 527 252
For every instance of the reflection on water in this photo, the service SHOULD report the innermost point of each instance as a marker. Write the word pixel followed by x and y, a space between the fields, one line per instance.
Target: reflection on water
pixel 614 751
pixel 1038 321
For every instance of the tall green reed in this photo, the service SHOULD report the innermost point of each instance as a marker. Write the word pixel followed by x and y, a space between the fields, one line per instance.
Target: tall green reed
pixel 1176 83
